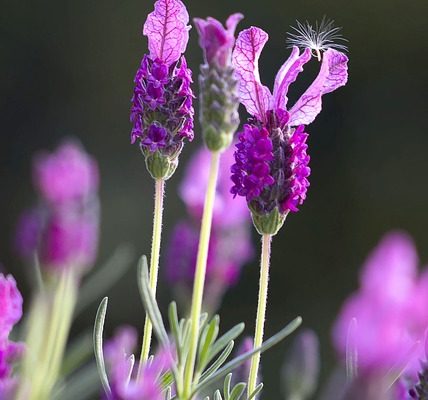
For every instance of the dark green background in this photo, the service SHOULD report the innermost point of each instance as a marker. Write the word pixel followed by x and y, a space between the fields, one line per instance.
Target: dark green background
pixel 67 68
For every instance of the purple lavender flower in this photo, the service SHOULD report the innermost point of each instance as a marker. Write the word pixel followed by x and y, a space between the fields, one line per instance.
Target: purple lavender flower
pixel 229 250
pixel 67 176
pixel 218 85
pixel 389 310
pixel 63 229
pixel 216 41
pixel 230 244
pixel 227 210
pixel 271 168
pixel 162 112
pixel 241 373
pixel 10 314
pixel 122 371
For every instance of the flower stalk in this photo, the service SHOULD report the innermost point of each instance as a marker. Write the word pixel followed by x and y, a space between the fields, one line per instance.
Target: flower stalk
pixel 201 264
pixel 154 264
pixel 261 310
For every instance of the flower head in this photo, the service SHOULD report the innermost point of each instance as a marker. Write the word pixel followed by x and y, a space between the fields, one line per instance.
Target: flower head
pixel 125 385
pixel 162 111
pixel 389 324
pixel 271 168
pixel 10 314
pixel 218 85
pixel 63 229
pixel 68 175
pixel 227 210
pixel 216 41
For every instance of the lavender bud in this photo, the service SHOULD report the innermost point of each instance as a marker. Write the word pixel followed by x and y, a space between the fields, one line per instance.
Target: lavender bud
pixel 219 106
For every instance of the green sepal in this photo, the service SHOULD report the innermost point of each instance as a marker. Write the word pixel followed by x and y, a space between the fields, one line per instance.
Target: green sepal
pixel 269 223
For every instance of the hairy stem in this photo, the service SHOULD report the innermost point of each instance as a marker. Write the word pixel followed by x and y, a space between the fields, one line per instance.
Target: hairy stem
pixel 154 265
pixel 261 310
pixel 201 265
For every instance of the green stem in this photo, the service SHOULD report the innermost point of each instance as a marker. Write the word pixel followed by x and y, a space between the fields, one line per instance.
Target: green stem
pixel 154 265
pixel 261 310
pixel 201 266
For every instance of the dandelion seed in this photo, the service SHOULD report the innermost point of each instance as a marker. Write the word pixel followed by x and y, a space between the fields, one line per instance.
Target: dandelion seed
pixel 318 38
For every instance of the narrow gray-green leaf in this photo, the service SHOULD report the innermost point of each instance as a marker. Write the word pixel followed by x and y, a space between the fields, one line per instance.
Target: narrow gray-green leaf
pixel 225 339
pixel 208 337
pixel 256 391
pixel 98 344
pixel 231 365
pixel 237 391
pixel 226 386
pixel 217 395
pixel 219 362
pixel 149 302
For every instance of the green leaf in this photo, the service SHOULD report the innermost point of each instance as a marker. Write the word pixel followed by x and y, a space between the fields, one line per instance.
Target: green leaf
pixel 209 335
pixel 256 391
pixel 231 365
pixel 149 302
pixel 225 339
pixel 217 395
pixel 237 391
pixel 98 344
pixel 175 328
pixel 219 362
pixel 226 386
pixel 105 277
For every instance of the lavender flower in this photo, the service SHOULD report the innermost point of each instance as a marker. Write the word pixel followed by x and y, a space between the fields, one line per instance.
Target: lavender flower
pixel 230 244
pixel 10 314
pixel 63 229
pixel 227 210
pixel 219 102
pixel 122 371
pixel 389 310
pixel 162 112
pixel 271 169
pixel 242 372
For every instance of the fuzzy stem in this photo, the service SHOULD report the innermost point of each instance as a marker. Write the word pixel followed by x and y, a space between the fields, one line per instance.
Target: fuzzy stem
pixel 261 310
pixel 154 265
pixel 201 266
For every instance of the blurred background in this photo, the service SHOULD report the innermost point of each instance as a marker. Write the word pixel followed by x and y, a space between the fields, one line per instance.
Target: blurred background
pixel 67 69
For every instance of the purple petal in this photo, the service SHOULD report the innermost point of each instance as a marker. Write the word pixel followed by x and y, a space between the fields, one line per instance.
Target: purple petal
pixel 167 30
pixel 287 75
pixel 253 95
pixel 332 75
pixel 216 41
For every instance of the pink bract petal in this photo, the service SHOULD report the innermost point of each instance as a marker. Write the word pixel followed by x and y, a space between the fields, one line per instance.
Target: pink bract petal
pixel 332 75
pixel 287 75
pixel 253 95
pixel 167 30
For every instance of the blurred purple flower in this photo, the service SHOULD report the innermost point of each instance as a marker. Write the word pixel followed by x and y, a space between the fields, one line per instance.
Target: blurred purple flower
pixel 122 370
pixel 229 250
pixel 227 211
pixel 63 229
pixel 216 41
pixel 241 373
pixel 10 314
pixel 271 167
pixel 390 319
pixel 67 175
pixel 162 111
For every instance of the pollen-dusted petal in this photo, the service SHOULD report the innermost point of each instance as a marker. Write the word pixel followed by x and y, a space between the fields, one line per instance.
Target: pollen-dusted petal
pixel 253 95
pixel 287 75
pixel 333 74
pixel 167 30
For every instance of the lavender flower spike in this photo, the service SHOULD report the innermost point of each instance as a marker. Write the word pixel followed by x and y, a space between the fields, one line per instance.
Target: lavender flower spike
pixel 162 111
pixel 271 168
pixel 218 85
pixel 10 314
